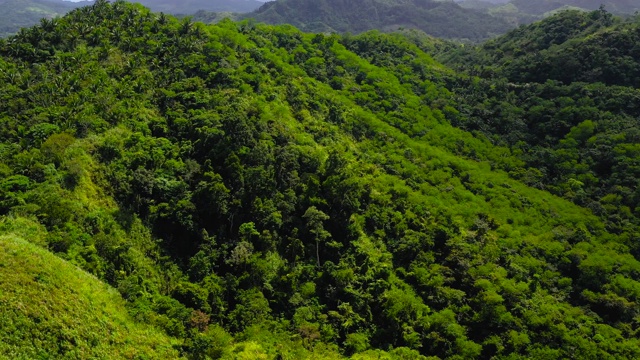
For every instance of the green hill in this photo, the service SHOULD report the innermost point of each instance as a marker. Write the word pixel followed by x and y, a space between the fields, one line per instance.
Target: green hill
pixel 51 309
pixel 259 192
pixel 573 46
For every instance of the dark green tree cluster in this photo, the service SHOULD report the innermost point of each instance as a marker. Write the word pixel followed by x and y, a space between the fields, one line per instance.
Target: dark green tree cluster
pixel 257 192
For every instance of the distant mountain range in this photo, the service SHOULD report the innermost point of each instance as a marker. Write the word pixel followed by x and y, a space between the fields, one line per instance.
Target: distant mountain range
pixel 16 14
pixel 473 20
pixel 519 12
pixel 544 7
pixel 437 18
pixel 23 13
pixel 192 6
pixel 468 19
pixel 539 7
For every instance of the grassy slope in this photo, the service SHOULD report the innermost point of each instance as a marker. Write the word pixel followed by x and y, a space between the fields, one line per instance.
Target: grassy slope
pixel 50 309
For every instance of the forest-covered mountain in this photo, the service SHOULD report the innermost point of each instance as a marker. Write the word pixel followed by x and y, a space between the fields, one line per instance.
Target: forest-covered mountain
pixel 438 18
pixel 573 46
pixel 564 93
pixel 16 14
pixel 256 192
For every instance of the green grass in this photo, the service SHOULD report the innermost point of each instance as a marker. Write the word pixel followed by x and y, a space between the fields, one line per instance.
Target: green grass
pixel 51 309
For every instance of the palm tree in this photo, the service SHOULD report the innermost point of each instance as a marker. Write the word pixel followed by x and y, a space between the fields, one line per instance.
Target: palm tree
pixel 186 26
pixel 46 24
pixel 162 19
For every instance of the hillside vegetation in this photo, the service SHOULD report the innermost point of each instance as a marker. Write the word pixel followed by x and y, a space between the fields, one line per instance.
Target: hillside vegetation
pixel 573 46
pixel 50 309
pixel 258 193
pixel 564 94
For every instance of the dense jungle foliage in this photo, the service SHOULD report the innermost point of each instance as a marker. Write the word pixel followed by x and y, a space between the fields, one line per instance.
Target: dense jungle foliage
pixel 574 46
pixel 564 94
pixel 256 192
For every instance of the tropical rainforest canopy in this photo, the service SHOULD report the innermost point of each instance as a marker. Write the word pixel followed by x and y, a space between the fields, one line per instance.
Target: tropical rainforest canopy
pixel 255 192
